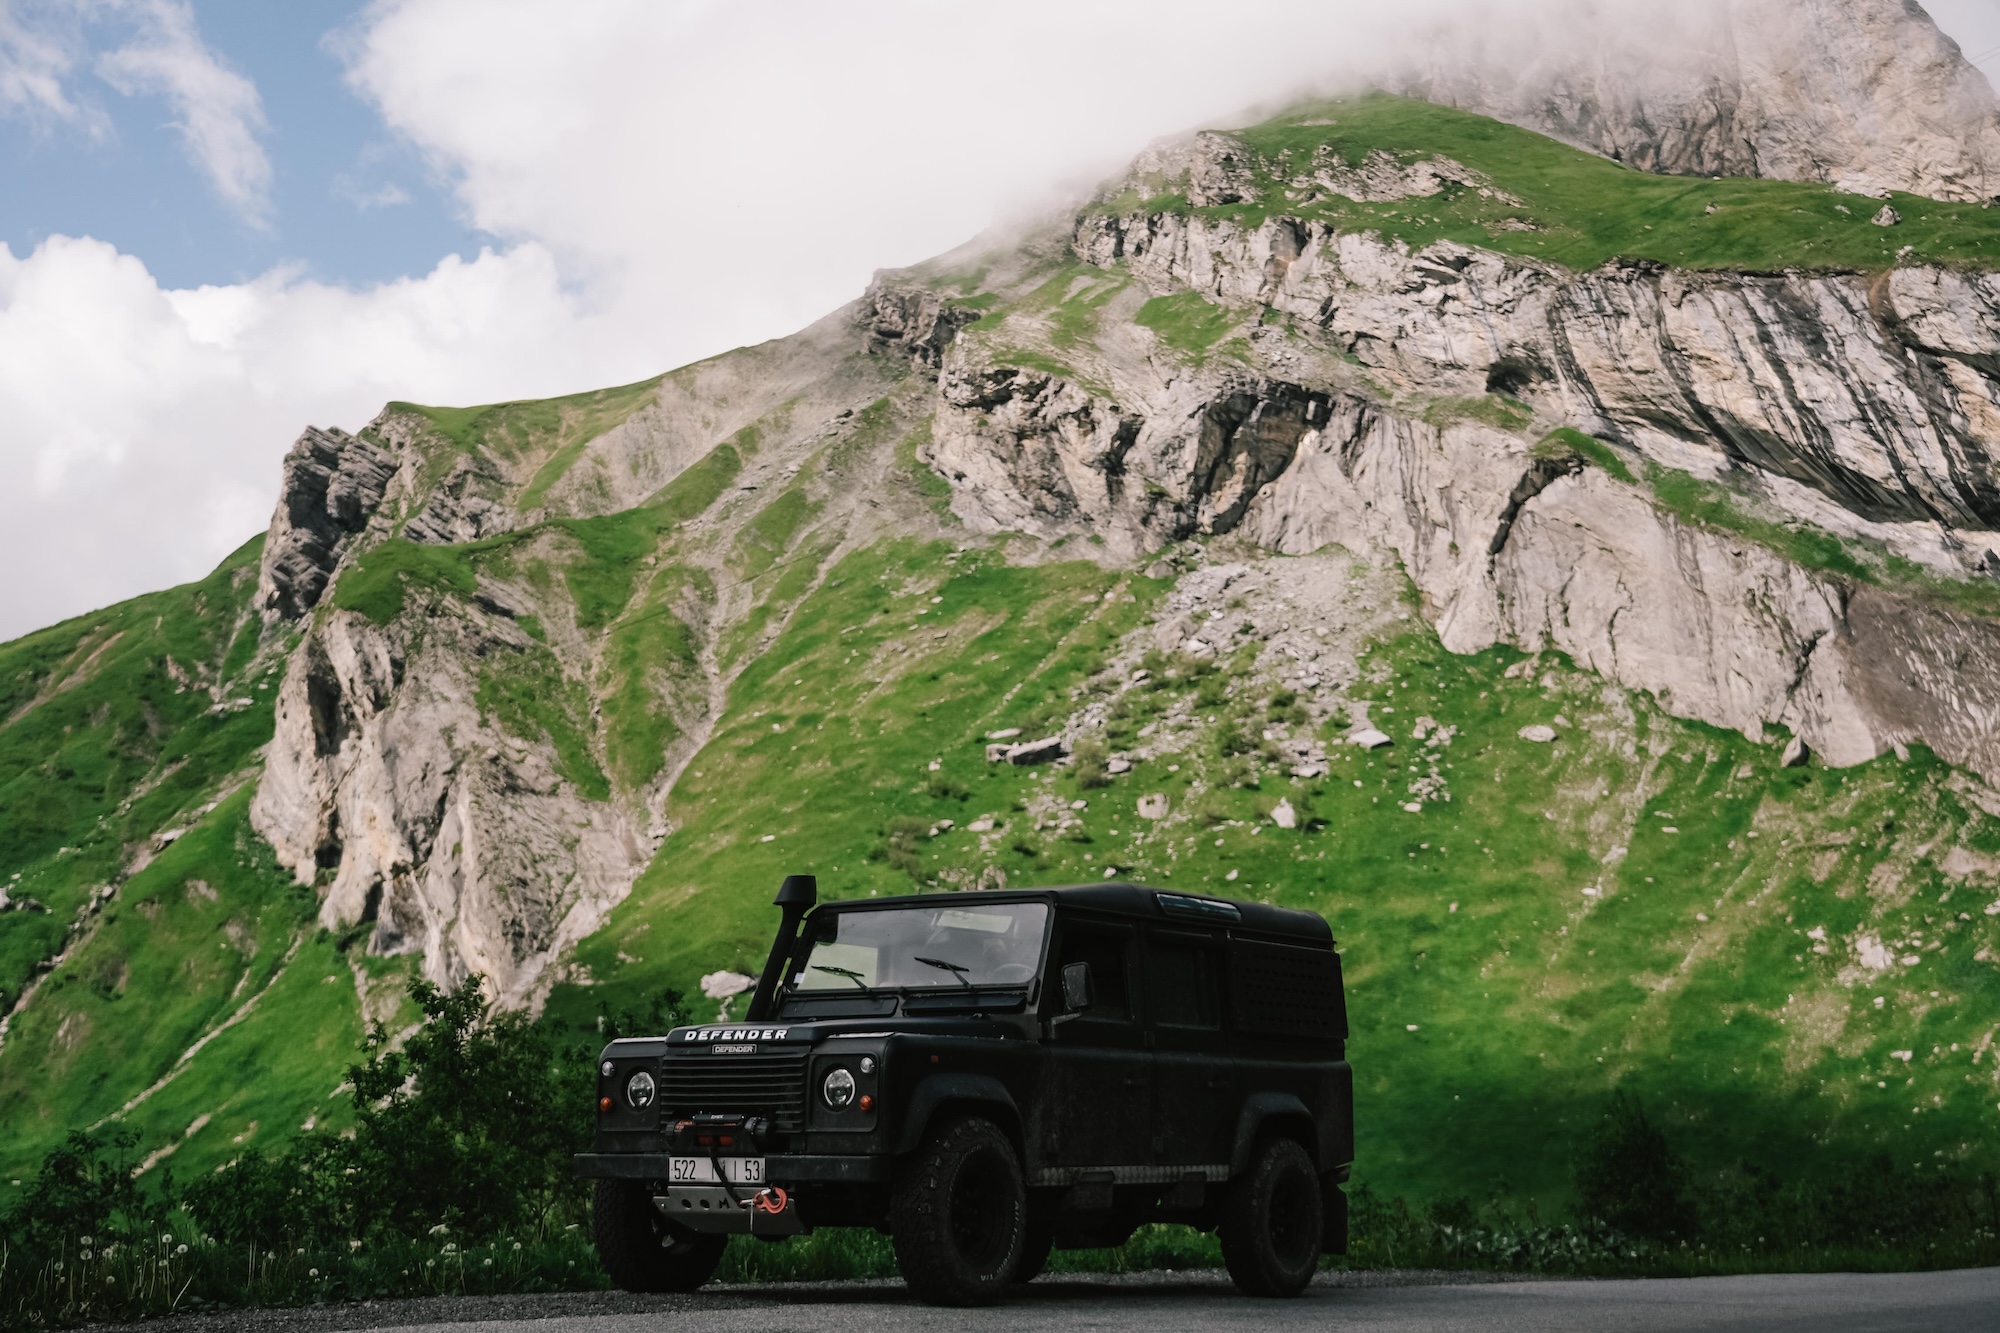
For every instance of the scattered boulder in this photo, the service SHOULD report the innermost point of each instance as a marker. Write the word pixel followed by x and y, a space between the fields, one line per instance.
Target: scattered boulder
pixel 1309 770
pixel 1368 738
pixel 1796 753
pixel 1004 734
pixel 1284 816
pixel 983 824
pixel 1037 752
pixel 1118 766
pixel 1538 733
pixel 1154 806
pixel 722 985
pixel 1888 217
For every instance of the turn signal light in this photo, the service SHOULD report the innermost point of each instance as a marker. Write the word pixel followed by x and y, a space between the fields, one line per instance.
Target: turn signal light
pixel 603 1103
pixel 867 1102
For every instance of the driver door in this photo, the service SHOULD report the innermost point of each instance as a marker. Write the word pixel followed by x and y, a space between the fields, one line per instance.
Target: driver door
pixel 1100 1080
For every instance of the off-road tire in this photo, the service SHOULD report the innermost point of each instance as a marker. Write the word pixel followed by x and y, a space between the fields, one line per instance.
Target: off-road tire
pixel 640 1250
pixel 1036 1243
pixel 1272 1220
pixel 960 1214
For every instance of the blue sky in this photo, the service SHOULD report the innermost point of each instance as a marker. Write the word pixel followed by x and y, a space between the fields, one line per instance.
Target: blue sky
pixel 223 220
pixel 335 166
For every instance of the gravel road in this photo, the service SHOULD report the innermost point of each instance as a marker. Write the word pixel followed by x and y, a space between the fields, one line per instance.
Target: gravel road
pixel 1173 1302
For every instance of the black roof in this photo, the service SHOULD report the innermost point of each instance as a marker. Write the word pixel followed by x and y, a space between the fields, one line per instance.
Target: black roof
pixel 1133 900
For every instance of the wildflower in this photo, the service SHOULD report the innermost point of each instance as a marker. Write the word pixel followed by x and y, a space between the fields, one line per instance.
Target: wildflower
pixel 86 1254
pixel 166 1239
pixel 85 1240
pixel 181 1248
pixel 163 1263
pixel 517 1244
pixel 302 1249
pixel 487 1264
pixel 312 1272
pixel 354 1244
pixel 439 1229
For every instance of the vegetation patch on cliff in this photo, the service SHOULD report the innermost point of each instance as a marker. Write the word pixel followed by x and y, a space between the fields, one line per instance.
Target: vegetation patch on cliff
pixel 1552 202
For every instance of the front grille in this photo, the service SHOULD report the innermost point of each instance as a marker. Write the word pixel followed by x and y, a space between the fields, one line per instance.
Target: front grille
pixel 769 1083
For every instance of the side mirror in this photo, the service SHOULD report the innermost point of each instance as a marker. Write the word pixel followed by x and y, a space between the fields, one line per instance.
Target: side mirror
pixel 1078 992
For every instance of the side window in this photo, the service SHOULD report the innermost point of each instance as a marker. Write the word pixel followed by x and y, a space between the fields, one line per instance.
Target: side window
pixel 1184 979
pixel 1105 949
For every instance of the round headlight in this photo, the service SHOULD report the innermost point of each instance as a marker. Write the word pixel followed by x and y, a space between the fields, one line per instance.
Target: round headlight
pixel 838 1089
pixel 639 1090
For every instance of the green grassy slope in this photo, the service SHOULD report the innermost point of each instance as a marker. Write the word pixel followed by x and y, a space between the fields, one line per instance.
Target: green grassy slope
pixel 1584 209
pixel 113 726
pixel 128 754
pixel 1508 967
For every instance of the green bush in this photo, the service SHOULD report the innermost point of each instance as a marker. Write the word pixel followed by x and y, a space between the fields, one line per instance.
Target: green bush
pixel 1090 762
pixel 1631 1179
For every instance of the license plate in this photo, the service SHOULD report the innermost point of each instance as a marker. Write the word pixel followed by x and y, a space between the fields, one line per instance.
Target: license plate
pixel 701 1170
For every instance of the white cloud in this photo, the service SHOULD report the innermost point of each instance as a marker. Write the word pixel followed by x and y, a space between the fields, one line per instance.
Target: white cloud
pixel 32 69
pixel 218 112
pixel 745 168
pixel 142 427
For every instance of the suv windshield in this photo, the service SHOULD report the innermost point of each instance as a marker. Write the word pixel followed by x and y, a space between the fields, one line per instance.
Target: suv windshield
pixel 998 945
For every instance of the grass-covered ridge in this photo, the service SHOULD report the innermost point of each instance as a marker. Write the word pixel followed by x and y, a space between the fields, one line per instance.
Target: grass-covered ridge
pixel 555 430
pixel 1576 209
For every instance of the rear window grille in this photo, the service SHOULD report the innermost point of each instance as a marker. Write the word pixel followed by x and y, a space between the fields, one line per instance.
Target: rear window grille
pixel 769 1083
pixel 1283 990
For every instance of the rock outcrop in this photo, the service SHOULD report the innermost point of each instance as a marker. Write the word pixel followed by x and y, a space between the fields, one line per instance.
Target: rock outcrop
pixel 1861 406
pixel 333 484
pixel 1866 94
pixel 452 836
pixel 1869 406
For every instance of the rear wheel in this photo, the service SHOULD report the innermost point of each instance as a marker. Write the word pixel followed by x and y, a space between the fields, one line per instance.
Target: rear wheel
pixel 1272 1222
pixel 959 1215
pixel 640 1250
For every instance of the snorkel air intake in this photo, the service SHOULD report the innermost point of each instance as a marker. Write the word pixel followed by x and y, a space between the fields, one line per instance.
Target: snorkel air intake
pixel 796 897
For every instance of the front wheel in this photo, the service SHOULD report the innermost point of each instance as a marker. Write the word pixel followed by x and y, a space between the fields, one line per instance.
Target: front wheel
pixel 640 1250
pixel 959 1215
pixel 1272 1221
pixel 1035 1246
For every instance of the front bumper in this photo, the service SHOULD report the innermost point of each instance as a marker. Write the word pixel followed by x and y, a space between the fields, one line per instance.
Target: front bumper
pixel 785 1169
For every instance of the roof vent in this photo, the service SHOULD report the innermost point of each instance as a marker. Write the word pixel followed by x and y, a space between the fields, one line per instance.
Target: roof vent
pixel 1197 909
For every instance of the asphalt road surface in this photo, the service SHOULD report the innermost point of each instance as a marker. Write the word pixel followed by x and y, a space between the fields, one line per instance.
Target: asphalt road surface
pixel 1173 1303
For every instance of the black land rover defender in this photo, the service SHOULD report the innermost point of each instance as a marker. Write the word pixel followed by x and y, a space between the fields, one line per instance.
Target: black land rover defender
pixel 986 1076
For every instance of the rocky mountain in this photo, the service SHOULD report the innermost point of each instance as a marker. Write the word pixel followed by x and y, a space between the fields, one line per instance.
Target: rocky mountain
pixel 1866 94
pixel 1580 584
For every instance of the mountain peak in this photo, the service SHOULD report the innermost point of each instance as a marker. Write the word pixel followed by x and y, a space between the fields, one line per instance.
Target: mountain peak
pixel 1866 94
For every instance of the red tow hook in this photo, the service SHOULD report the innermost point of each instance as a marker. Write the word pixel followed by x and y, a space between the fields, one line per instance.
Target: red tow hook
pixel 771 1201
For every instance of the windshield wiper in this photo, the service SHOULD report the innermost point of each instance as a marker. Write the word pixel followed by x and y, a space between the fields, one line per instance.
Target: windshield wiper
pixel 957 971
pixel 847 972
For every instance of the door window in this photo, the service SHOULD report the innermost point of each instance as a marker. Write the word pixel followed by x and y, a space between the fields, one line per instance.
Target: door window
pixel 1185 977
pixel 1105 950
